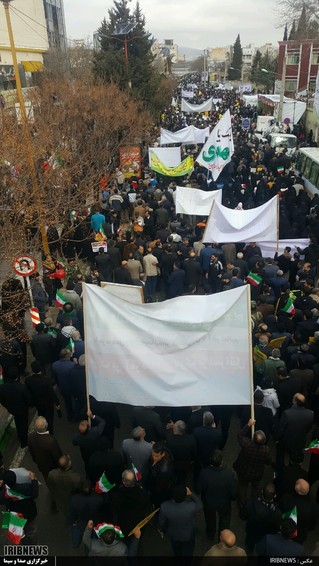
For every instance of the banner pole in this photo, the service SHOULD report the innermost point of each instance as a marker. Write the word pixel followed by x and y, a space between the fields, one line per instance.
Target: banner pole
pixel 211 210
pixel 277 247
pixel 251 368
pixel 86 371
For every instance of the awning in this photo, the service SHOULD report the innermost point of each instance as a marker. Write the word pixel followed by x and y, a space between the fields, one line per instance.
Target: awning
pixel 32 66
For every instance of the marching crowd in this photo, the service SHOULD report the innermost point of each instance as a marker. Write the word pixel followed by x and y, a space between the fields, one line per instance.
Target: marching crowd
pixel 173 463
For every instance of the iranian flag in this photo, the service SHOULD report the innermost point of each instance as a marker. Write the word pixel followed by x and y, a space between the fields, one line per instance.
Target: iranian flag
pixel 254 279
pixel 292 515
pixel 102 527
pixel 59 299
pixel 15 523
pixel 60 263
pixel 137 474
pixel 313 447
pixel 70 346
pixel 13 495
pixel 103 485
pixel 289 307
pixel 280 169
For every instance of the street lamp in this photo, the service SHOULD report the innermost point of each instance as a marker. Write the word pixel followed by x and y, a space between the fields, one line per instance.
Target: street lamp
pixel 123 29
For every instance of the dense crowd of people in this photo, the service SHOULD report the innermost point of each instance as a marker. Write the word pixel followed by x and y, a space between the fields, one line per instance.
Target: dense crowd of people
pixel 174 460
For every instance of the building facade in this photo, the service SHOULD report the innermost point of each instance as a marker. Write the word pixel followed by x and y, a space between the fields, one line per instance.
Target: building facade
pixel 55 23
pixel 30 37
pixel 302 63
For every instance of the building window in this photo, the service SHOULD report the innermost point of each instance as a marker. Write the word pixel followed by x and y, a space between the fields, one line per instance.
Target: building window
pixel 293 58
pixel 312 85
pixel 291 85
pixel 315 58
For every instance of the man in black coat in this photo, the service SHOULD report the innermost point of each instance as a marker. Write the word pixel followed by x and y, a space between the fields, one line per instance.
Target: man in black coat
pixel 85 506
pixel 183 449
pixel 263 415
pixel 43 394
pixel 148 419
pixel 175 282
pixel 130 503
pixel 44 448
pixel 286 388
pixel 263 516
pixel 43 346
pixel 122 274
pixel 218 488
pixel 103 263
pixel 192 270
pixel 89 437
pixel 294 425
pixel 15 397
pixel 280 544
pixel 307 509
pixel 208 438
pixel 286 477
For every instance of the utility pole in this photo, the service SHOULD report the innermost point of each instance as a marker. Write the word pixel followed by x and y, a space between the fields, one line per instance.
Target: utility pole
pixel 26 130
pixel 282 86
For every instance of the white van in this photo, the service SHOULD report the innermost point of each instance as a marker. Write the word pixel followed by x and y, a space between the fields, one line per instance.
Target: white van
pixel 289 141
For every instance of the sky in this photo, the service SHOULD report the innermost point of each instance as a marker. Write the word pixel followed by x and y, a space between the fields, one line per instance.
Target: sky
pixel 191 23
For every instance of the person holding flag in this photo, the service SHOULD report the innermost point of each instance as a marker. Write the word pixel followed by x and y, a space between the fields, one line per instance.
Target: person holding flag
pixel 19 499
pixel 302 509
pixel 106 539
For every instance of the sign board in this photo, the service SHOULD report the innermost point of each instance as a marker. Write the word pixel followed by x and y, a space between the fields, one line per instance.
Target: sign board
pixel 97 245
pixel 24 265
pixel 130 161
pixel 131 293
pixel 245 123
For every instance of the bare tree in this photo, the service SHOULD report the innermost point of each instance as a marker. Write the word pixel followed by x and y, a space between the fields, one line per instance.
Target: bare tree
pixel 290 10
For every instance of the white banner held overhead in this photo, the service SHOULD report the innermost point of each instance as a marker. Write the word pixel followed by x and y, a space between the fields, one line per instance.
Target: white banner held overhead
pixel 219 147
pixel 204 107
pixel 268 249
pixel 187 94
pixel 173 353
pixel 254 225
pixel 188 135
pixel 170 156
pixel 195 201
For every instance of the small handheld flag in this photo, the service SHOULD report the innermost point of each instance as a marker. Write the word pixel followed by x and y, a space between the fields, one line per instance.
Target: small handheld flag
pixel 59 299
pixel 103 485
pixel 289 307
pixel 137 474
pixel 292 514
pixel 15 523
pixel 254 279
pixel 313 447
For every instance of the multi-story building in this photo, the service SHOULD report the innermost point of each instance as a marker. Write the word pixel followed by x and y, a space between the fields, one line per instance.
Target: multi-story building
pixel 55 22
pixel 164 49
pixel 302 63
pixel 31 40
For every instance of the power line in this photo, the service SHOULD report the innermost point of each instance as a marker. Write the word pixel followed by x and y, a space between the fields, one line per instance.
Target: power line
pixel 26 15
pixel 35 31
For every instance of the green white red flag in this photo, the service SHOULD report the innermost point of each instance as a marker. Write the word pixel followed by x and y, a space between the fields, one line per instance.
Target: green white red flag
pixel 137 474
pixel 313 447
pixel 254 279
pixel 292 514
pixel 13 495
pixel 102 527
pixel 289 307
pixel 59 299
pixel 15 523
pixel 103 485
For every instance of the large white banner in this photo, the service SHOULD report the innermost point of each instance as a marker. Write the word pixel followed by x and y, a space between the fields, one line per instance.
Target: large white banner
pixel 268 249
pixel 219 147
pixel 204 107
pixel 255 225
pixel 173 353
pixel 188 135
pixel 195 201
pixel 170 156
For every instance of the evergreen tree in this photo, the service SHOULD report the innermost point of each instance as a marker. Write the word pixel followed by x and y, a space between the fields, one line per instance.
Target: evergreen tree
pixel 302 26
pixel 292 34
pixel 255 68
pixel 237 61
pixel 126 60
pixel 285 33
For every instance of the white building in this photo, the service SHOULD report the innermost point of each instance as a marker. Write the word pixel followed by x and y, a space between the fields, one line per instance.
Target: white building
pixel 30 37
pixel 165 49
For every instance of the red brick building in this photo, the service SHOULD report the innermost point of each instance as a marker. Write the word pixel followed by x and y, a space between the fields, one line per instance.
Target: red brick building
pixel 302 63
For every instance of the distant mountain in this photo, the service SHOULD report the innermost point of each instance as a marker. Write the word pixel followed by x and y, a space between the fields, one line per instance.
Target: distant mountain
pixel 189 52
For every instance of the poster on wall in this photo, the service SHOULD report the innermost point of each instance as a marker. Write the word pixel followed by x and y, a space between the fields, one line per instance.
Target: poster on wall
pixel 130 161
